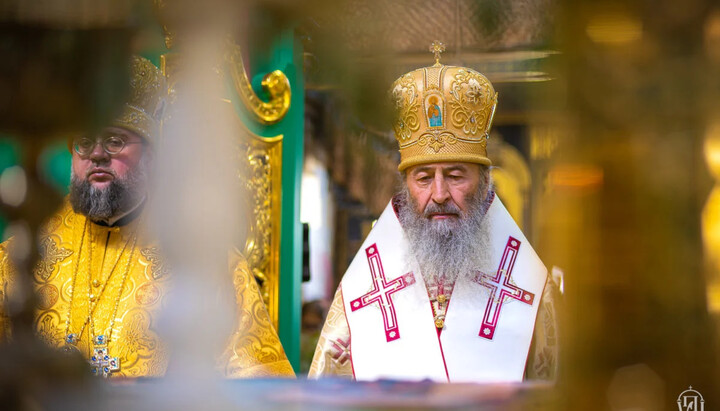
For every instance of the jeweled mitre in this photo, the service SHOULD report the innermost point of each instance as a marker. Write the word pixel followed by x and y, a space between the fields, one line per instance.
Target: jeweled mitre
pixel 143 111
pixel 443 114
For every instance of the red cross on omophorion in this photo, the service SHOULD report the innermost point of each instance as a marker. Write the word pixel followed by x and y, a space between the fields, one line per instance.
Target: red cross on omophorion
pixel 501 287
pixel 382 292
pixel 343 350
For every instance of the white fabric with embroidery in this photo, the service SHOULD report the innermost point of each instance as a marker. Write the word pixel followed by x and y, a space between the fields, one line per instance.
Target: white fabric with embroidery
pixel 406 345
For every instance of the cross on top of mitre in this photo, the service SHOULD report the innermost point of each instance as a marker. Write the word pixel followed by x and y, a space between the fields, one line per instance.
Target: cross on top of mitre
pixel 436 48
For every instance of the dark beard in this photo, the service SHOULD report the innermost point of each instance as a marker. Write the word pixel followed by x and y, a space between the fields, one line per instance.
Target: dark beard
pixel 447 249
pixel 103 204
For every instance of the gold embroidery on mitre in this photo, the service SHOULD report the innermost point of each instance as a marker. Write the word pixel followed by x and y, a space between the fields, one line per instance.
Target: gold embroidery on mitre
pixel 472 102
pixel 443 113
pixel 436 140
pixel 144 110
pixel 405 96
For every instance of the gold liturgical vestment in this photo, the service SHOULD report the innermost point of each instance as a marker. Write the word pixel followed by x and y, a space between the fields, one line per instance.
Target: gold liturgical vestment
pixel 110 282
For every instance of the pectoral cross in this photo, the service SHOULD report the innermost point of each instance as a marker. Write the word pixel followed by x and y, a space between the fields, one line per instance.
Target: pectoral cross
pixel 437 47
pixel 101 363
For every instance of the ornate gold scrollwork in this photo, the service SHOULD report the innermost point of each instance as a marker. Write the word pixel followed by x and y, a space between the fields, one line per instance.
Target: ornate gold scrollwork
pixel 261 159
pixel 172 17
pixel 405 95
pixel 473 102
pixel 275 83
pixel 437 140
pixel 261 173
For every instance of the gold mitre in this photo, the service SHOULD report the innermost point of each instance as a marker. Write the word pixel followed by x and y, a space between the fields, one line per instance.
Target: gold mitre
pixel 144 109
pixel 443 114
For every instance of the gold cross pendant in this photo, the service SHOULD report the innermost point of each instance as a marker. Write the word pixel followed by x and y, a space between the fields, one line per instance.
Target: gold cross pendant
pixel 101 363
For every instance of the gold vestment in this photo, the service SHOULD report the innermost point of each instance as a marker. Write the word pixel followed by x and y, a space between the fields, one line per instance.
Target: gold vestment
pixel 95 280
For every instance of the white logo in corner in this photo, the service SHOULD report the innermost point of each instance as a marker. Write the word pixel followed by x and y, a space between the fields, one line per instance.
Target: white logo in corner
pixel 690 400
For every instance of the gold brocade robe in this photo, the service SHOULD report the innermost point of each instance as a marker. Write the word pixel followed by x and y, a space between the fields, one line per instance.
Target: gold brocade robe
pixel 95 280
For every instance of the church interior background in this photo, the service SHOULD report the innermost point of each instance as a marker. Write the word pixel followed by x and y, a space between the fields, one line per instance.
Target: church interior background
pixel 606 147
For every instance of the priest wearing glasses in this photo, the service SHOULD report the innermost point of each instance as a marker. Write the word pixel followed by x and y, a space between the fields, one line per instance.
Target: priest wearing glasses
pixel 101 280
pixel 445 287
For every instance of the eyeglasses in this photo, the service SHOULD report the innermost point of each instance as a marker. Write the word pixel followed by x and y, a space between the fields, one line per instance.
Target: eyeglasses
pixel 111 144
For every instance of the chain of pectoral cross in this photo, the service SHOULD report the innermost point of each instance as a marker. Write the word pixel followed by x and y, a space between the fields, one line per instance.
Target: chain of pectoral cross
pixel 100 362
pixel 439 301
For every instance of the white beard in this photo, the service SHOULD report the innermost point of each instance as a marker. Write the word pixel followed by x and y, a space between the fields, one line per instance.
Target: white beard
pixel 447 250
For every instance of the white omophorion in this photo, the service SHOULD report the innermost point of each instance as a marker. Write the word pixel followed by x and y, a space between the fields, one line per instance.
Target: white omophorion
pixel 392 326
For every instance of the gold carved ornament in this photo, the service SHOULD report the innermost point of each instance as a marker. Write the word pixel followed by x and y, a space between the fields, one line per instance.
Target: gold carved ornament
pixel 173 17
pixel 261 174
pixel 275 84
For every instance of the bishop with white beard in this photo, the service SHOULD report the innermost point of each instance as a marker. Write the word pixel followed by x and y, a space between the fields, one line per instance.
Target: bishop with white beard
pixel 445 287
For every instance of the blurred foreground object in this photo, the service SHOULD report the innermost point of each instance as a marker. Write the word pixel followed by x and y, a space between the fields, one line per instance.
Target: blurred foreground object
pixel 336 394
pixel 623 212
pixel 258 59
pixel 63 71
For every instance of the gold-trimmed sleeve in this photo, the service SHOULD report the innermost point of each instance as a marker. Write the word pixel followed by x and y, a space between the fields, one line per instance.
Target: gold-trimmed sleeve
pixel 543 357
pixel 333 354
